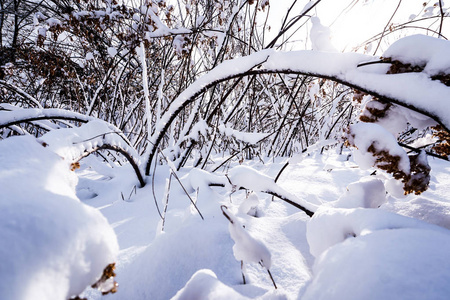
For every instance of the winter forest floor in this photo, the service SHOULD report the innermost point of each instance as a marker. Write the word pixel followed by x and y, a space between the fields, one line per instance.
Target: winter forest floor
pixel 156 264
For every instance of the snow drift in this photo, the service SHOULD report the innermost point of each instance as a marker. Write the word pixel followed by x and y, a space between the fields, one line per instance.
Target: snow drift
pixel 52 245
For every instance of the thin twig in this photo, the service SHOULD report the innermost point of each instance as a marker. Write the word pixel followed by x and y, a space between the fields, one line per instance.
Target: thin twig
pixel 167 202
pixel 182 186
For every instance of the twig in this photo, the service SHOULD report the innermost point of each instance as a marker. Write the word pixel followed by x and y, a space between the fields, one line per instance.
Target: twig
pixel 273 281
pixel 182 186
pixel 167 201
pixel 153 191
pixel 427 152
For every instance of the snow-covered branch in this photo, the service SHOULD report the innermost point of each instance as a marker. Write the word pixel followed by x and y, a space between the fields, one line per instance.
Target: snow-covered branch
pixel 247 178
pixel 13 117
pixel 423 94
pixel 74 144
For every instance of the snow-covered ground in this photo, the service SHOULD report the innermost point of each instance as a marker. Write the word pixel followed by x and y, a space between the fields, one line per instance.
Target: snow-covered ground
pixel 342 253
pixel 361 243
pixel 192 234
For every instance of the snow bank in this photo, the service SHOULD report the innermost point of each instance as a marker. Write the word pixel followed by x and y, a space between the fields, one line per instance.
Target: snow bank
pixel 374 254
pixel 330 226
pixel 249 205
pixel 52 245
pixel 387 264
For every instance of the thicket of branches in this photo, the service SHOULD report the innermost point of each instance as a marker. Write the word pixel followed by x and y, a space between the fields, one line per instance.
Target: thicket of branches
pixel 84 56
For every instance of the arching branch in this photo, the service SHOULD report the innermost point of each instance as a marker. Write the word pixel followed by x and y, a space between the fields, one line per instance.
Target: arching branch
pixel 20 92
pixel 14 117
pixel 338 67
pixel 121 151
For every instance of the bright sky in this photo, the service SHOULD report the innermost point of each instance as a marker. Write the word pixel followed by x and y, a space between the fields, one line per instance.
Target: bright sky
pixel 354 21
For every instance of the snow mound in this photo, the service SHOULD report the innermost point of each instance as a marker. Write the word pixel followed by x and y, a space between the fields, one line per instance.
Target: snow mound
pixel 330 226
pixel 52 245
pixel 374 267
pixel 422 50
pixel 205 285
pixel 367 192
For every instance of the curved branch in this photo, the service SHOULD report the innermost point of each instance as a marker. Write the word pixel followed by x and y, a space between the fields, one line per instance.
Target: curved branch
pixel 20 92
pixel 14 117
pixel 344 70
pixel 274 193
pixel 121 151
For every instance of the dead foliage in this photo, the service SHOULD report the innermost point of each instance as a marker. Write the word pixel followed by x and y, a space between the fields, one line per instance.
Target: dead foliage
pixel 442 146
pixel 416 181
pixel 108 275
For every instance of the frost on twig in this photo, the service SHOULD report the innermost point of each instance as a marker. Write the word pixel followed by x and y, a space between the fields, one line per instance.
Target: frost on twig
pixel 247 248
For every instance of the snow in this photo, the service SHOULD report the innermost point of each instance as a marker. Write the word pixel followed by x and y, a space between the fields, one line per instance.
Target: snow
pixel 331 226
pixel 246 137
pixel 72 143
pixel 320 36
pixel 89 56
pixel 246 248
pixel 112 51
pixel 53 246
pixel 195 258
pixel 366 240
pixel 387 264
pixel 398 118
pixel 200 258
pixel 363 135
pixel 422 50
pixel 249 178
pixel 249 205
pixel 368 192
pixel 14 114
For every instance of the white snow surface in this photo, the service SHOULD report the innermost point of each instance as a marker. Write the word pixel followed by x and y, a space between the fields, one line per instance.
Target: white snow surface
pixel 369 192
pixel 330 226
pixel 387 264
pixel 205 285
pixel 195 257
pixel 52 245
